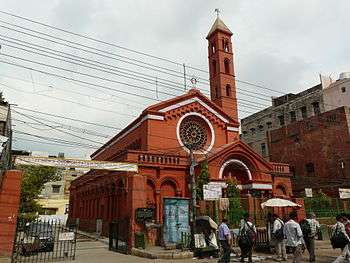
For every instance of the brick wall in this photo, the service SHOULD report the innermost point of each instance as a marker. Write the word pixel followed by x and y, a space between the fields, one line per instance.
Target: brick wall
pixel 321 141
pixel 9 204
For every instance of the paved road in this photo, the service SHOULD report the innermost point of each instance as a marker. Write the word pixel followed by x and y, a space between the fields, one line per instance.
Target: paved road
pixel 95 251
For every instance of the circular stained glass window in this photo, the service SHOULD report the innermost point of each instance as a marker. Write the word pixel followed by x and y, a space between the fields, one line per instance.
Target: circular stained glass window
pixel 193 134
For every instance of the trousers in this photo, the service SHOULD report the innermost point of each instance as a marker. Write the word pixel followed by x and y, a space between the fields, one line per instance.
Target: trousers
pixel 280 247
pixel 310 246
pixel 225 258
pixel 297 254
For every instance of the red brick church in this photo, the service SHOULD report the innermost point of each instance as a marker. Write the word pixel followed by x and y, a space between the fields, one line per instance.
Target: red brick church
pixel 156 142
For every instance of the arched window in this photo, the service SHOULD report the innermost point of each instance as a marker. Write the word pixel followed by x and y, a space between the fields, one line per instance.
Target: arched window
pixel 227 66
pixel 213 65
pixel 228 90
pixel 213 48
pixel 216 95
pixel 226 46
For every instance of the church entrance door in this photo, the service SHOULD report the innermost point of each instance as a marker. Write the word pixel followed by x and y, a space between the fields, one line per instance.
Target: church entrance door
pixel 176 219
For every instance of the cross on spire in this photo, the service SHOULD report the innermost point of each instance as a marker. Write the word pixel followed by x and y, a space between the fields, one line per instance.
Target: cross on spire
pixel 217 11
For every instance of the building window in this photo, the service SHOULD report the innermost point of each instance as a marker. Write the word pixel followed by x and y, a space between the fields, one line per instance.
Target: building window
pixel 227 66
pixel 213 66
pixel 56 189
pixel 213 48
pixel 225 45
pixel 343 89
pixel 293 116
pixel 316 107
pixel 216 95
pixel 244 133
pixel 269 125
pixel 228 90
pixel 252 130
pixel 261 128
pixel 281 120
pixel 303 112
pixel 263 149
pixel 309 168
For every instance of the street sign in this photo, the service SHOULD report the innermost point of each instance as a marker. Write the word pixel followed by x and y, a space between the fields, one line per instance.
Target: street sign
pixel 66 236
pixel 144 214
pixel 308 192
pixel 344 193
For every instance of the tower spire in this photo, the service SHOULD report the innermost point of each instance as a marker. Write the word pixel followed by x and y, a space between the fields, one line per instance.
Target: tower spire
pixel 221 67
pixel 217 11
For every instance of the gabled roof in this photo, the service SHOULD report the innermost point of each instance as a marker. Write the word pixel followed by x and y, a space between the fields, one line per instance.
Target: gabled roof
pixel 219 25
pixel 238 144
pixel 193 95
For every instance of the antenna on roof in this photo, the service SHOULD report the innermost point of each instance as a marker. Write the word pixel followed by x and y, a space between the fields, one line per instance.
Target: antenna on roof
pixel 217 11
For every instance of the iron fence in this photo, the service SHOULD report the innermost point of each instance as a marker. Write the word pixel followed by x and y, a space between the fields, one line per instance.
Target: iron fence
pixel 119 235
pixel 43 241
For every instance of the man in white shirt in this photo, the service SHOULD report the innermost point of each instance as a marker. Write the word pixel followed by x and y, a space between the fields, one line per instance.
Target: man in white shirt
pixel 340 226
pixel 310 239
pixel 279 239
pixel 294 235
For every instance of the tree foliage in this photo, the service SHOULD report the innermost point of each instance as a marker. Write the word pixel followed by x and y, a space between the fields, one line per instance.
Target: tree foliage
pixel 33 182
pixel 233 193
pixel 202 179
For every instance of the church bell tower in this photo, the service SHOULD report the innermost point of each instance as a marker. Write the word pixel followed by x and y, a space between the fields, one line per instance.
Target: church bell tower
pixel 221 69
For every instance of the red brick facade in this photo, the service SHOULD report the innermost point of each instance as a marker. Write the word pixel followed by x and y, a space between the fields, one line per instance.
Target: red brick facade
pixel 9 203
pixel 318 150
pixel 155 140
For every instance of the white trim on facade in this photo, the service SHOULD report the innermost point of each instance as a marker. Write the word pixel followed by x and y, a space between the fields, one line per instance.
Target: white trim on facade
pixel 235 129
pixel 146 117
pixel 237 162
pixel 209 124
pixel 195 99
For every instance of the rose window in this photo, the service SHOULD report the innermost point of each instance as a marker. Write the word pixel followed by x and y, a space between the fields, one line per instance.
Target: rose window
pixel 193 134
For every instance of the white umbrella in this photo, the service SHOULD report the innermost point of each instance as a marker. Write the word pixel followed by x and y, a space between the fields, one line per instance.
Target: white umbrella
pixel 278 202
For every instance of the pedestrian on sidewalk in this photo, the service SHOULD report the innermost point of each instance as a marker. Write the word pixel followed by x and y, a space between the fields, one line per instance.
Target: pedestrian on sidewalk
pixel 246 238
pixel 340 239
pixel 225 241
pixel 294 235
pixel 279 238
pixel 310 236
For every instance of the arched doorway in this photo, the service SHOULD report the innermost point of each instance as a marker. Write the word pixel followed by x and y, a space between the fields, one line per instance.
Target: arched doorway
pixel 234 168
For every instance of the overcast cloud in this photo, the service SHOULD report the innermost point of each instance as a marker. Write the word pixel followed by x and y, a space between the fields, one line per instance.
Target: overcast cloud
pixel 282 45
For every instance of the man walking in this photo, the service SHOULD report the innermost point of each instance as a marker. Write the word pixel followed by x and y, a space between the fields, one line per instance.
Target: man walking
pixel 279 239
pixel 292 232
pixel 310 238
pixel 340 239
pixel 247 235
pixel 225 241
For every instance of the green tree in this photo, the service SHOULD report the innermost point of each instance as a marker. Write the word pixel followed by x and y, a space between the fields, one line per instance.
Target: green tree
pixel 202 179
pixel 33 182
pixel 233 193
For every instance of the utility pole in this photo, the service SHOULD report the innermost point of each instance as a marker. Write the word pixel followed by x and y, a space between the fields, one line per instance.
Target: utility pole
pixel 193 196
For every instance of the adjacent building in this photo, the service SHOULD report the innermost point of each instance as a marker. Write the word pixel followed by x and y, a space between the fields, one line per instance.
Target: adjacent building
pixel 308 130
pixel 285 110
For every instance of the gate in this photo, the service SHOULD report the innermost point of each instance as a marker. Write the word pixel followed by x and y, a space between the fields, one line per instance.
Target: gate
pixel 43 241
pixel 119 235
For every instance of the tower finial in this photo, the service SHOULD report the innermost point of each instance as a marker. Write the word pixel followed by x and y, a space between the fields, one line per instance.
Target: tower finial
pixel 217 11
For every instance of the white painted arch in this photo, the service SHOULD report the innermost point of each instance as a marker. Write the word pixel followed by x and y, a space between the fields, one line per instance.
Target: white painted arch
pixel 210 127
pixel 236 161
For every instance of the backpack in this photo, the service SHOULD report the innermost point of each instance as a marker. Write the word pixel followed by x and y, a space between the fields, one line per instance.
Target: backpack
pixel 305 228
pixel 338 238
pixel 248 236
pixel 279 234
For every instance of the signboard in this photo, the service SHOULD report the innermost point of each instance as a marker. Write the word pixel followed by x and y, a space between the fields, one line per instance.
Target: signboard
pixel 66 236
pixel 212 192
pixel 144 214
pixel 344 193
pixel 221 184
pixel 308 192
pixel 77 163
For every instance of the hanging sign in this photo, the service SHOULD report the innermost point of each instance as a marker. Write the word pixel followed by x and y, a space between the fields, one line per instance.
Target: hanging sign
pixel 308 192
pixel 212 192
pixel 144 214
pixel 344 193
pixel 77 163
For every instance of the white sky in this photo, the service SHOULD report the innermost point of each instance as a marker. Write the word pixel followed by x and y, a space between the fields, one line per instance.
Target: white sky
pixel 282 45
